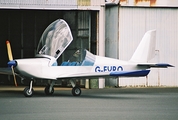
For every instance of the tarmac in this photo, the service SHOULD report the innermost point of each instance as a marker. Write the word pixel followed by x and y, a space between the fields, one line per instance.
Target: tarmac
pixel 94 104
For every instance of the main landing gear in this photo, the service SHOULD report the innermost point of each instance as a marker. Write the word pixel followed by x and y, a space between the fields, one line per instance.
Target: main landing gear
pixel 49 89
pixel 76 91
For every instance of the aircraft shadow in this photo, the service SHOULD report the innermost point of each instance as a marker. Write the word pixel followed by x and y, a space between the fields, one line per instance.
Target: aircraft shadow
pixel 115 93
pixel 67 94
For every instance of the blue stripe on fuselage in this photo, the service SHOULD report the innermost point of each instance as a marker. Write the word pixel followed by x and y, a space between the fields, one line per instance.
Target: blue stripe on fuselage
pixel 138 73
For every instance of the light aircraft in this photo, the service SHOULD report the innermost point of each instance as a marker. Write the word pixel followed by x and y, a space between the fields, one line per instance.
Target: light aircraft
pixel 55 39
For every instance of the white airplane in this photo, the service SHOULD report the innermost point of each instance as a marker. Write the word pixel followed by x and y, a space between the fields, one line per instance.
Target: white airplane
pixel 55 39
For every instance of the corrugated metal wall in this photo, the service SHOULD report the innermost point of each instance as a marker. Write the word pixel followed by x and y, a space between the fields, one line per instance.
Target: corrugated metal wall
pixel 52 4
pixel 39 4
pixel 148 3
pixel 133 23
pixel 111 38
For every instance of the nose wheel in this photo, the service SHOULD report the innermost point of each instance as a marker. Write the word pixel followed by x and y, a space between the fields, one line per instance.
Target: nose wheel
pixel 28 91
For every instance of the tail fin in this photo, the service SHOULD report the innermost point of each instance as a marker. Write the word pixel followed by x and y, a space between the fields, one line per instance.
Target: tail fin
pixel 146 49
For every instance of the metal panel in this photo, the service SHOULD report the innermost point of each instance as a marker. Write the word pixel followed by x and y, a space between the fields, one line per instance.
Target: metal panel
pixel 111 38
pixel 134 22
pixel 84 2
pixel 52 4
pixel 111 35
pixel 97 2
pixel 39 4
pixel 90 4
pixel 147 3
pixel 83 37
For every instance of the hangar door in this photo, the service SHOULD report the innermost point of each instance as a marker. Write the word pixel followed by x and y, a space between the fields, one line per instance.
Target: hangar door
pixel 24 28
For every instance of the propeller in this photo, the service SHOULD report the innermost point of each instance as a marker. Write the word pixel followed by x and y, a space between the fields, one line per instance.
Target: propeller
pixel 12 63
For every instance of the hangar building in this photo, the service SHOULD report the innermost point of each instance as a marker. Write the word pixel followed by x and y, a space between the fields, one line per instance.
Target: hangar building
pixel 130 20
pixel 110 28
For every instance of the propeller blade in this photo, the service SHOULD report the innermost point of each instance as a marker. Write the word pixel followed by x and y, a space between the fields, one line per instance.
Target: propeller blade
pixel 15 81
pixel 11 62
pixel 9 51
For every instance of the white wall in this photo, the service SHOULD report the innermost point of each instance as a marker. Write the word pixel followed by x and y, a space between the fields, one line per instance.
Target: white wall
pixel 133 23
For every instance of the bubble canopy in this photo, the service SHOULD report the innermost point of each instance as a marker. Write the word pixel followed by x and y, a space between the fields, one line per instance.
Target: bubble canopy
pixel 55 39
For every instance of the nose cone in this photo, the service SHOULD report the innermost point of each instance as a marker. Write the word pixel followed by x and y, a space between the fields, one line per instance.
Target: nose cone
pixel 12 63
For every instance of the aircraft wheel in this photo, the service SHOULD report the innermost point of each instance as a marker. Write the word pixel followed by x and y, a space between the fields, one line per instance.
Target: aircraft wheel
pixel 76 91
pixel 47 90
pixel 27 92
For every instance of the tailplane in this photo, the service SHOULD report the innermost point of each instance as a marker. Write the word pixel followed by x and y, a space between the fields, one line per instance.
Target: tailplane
pixel 146 49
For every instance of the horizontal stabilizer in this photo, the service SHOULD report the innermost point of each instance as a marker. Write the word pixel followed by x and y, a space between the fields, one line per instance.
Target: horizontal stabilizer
pixel 156 65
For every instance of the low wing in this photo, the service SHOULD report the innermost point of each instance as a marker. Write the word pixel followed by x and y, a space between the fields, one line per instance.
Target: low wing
pixel 155 65
pixel 6 71
pixel 136 73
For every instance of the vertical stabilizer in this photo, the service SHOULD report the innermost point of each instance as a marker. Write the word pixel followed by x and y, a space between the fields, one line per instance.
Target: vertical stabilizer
pixel 146 49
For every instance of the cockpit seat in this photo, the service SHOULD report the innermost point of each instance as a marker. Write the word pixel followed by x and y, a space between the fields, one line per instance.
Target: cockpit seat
pixel 65 63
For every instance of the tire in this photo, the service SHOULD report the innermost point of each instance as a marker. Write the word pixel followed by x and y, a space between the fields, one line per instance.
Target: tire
pixel 76 91
pixel 46 90
pixel 27 93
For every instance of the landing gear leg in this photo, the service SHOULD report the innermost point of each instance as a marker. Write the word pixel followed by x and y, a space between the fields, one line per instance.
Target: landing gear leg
pixel 76 91
pixel 28 91
pixel 49 89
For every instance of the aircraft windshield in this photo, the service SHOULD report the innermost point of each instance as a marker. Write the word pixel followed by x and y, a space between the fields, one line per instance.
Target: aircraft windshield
pixel 80 58
pixel 55 39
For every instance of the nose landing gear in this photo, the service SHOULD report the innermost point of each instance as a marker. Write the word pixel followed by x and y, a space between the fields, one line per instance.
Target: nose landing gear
pixel 28 91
